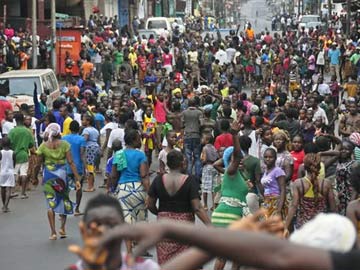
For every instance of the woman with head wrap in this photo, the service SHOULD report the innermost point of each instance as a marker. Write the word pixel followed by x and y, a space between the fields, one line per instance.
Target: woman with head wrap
pixel 54 154
pixel 284 159
pixel 311 195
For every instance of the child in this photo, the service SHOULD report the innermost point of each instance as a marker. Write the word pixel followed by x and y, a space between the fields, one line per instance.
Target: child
pixel 7 173
pixel 111 185
pixel 171 142
pixel 149 138
pixel 208 156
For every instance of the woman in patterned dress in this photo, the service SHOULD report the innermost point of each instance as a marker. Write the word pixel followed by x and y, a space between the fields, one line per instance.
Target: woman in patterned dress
pixel 54 153
pixel 343 172
pixel 311 195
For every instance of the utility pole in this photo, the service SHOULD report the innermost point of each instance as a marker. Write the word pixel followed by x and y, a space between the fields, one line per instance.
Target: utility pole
pixel 34 35
pixel 348 14
pixel 53 34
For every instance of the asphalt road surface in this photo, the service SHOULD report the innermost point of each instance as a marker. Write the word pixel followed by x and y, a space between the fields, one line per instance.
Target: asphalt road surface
pixel 24 232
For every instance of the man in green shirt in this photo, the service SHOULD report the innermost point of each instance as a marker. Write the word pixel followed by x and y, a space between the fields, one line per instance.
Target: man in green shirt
pixel 118 57
pixel 22 141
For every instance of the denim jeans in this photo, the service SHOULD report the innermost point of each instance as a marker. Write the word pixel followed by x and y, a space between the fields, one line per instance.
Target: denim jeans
pixel 192 151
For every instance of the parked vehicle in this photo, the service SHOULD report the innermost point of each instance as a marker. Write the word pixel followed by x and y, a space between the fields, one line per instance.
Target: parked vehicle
pixel 21 85
pixel 305 19
pixel 159 25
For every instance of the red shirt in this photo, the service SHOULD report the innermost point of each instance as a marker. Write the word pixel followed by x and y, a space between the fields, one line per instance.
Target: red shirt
pixel 223 140
pixel 298 160
pixel 4 105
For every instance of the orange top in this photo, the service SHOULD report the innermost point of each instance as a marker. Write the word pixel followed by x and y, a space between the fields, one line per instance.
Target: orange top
pixel 250 33
pixel 87 69
pixel 23 60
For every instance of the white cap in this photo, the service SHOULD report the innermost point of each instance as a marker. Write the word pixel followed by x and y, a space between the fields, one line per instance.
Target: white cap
pixel 327 231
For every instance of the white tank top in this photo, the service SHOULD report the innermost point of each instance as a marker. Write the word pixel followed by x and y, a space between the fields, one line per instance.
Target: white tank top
pixel 7 162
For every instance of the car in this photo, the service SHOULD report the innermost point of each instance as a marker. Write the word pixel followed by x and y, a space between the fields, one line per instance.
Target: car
pixel 147 33
pixel 305 19
pixel 313 25
pixel 21 86
pixel 159 25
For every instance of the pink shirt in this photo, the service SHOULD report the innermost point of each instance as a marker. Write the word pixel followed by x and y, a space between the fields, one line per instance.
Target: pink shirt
pixel 9 32
pixel 167 59
pixel 159 112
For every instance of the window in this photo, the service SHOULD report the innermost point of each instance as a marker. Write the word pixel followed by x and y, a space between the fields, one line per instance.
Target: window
pixel 22 86
pixel 157 24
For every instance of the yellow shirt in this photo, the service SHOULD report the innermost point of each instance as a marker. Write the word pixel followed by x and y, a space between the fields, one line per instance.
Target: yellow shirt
pixel 133 59
pixel 225 92
pixel 149 126
pixel 66 126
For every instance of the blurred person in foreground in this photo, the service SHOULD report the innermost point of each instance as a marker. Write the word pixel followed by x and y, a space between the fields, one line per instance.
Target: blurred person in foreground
pixel 102 213
pixel 328 245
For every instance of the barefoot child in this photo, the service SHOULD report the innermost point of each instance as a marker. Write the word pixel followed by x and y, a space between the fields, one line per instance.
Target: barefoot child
pixel 208 156
pixel 7 173
pixel 171 142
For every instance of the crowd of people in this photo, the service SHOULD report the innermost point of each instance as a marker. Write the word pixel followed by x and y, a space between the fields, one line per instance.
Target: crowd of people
pixel 250 121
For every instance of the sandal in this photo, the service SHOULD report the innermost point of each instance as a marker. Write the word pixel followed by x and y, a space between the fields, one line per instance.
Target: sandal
pixel 78 213
pixel 62 234
pixel 24 196
pixel 89 190
pixel 53 237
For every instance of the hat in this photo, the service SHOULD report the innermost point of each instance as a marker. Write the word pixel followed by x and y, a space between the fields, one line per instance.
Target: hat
pixel 135 91
pixel 327 231
pixel 254 109
pixel 206 45
pixel 176 91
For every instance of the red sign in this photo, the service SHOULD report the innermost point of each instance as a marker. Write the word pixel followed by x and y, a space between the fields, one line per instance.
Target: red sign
pixel 68 40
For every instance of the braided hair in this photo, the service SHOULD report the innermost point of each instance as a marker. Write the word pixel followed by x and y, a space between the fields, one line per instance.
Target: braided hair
pixel 312 166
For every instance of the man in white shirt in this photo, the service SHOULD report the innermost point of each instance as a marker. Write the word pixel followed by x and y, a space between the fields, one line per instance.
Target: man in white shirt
pixel 323 88
pixel 8 123
pixel 318 112
pixel 221 56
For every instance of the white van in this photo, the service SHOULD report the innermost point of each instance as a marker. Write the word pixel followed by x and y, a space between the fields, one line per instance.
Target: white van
pixel 21 86
pixel 159 25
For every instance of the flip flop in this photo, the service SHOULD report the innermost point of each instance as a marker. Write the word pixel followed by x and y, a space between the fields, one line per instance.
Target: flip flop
pixel 24 197
pixel 76 214
pixel 89 190
pixel 53 237
pixel 62 234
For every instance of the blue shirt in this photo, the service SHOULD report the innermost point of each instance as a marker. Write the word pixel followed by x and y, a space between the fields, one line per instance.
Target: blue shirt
pixel 76 143
pixel 93 134
pixel 99 117
pixel 334 56
pixel 131 173
pixel 59 119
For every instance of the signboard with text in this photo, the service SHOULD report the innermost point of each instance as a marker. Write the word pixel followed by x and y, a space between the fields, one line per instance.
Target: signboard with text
pixel 68 40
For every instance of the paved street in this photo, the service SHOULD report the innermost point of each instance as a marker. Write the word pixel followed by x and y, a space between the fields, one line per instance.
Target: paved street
pixel 24 232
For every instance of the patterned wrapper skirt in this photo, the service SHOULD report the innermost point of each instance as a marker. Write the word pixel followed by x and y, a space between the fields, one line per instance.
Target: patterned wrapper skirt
pixel 168 249
pixel 132 199
pixel 56 189
pixel 270 204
